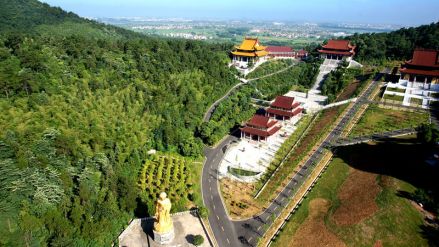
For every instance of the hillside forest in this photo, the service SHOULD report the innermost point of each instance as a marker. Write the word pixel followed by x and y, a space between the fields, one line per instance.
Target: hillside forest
pixel 82 103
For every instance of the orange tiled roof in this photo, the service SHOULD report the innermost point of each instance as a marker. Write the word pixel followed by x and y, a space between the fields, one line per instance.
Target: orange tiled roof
pixel 261 121
pixel 420 72
pixel 343 45
pixel 424 57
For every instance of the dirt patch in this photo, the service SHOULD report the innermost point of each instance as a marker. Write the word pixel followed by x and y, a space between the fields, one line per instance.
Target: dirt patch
pixel 357 198
pixel 238 198
pixel 313 231
pixel 378 244
pixel 328 116
pixel 348 91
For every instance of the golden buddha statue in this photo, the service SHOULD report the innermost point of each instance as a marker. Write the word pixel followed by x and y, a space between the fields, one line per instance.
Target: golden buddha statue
pixel 163 222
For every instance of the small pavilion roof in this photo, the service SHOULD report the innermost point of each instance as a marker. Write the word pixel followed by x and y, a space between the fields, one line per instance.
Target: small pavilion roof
pixel 261 121
pixel 302 52
pixel 284 113
pixel 263 133
pixel 283 102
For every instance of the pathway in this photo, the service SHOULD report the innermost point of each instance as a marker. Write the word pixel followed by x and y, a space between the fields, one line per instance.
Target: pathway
pixel 243 81
pixel 348 141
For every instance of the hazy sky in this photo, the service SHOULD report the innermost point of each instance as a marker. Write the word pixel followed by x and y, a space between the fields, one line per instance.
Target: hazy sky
pixel 354 11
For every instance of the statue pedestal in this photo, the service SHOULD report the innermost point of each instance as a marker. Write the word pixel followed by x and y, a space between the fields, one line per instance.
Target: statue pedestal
pixel 164 238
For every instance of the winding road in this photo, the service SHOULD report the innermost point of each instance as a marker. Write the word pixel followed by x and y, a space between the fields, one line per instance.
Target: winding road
pixel 228 232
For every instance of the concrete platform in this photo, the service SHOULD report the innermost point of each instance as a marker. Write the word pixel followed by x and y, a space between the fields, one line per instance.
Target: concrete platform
pixel 186 225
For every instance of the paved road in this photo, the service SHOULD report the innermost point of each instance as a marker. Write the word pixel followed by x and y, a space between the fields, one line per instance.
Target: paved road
pixel 247 232
pixel 222 227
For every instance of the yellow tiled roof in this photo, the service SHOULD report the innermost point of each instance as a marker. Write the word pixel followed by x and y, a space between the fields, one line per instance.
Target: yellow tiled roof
pixel 261 53
pixel 248 44
pixel 250 54
pixel 244 54
pixel 260 48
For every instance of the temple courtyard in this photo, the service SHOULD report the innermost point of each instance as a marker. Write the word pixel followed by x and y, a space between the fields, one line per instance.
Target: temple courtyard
pixel 251 158
pixel 186 226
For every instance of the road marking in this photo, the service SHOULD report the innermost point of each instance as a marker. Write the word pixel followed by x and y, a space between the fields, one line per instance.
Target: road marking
pixel 259 227
pixel 268 216
pixel 210 188
pixel 275 208
pixel 228 240
pixel 217 217
pixel 222 228
pixel 211 197
pixel 250 239
pixel 213 206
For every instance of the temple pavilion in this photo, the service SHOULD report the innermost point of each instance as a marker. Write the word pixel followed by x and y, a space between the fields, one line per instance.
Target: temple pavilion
pixel 250 51
pixel 422 70
pixel 260 128
pixel 301 54
pixel 338 49
pixel 284 108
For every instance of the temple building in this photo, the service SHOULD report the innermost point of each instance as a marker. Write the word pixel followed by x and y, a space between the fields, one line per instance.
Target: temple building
pixel 280 52
pixel 418 83
pixel 260 128
pixel 423 69
pixel 283 108
pixel 250 51
pixel 338 49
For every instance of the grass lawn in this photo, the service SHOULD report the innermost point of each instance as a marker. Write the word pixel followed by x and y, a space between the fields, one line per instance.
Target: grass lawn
pixel 376 120
pixel 394 220
pixel 399 90
pixel 393 97
pixel 416 101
